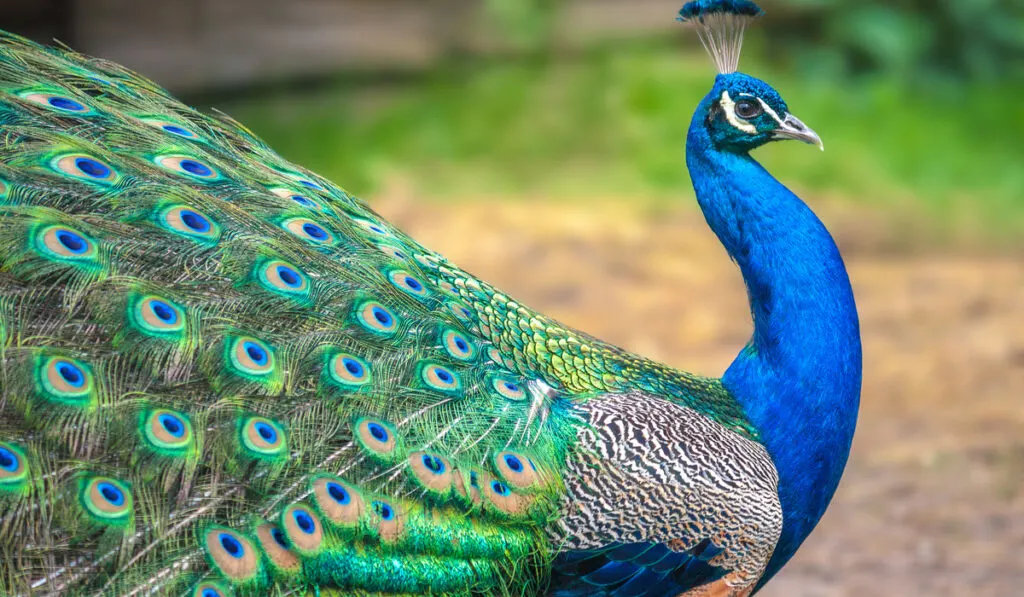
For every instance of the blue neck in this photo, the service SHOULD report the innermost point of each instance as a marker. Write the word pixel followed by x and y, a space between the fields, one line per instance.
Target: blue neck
pixel 799 377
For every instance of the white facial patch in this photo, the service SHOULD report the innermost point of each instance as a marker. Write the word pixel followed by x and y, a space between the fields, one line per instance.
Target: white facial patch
pixel 729 107
pixel 769 110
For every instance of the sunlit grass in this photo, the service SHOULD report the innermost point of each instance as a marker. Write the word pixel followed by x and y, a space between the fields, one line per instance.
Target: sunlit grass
pixel 613 122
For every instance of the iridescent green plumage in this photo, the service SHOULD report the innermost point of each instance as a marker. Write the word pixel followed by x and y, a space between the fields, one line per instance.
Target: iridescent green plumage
pixel 221 372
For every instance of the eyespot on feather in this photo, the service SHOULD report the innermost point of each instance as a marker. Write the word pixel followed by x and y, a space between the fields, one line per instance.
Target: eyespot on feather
pixel 502 498
pixel 157 316
pixel 517 470
pixel 340 503
pixel 230 553
pixel 103 81
pixel 459 310
pixel 378 438
pixel 302 527
pixel 349 370
pixel 376 318
pixel 65 381
pixel 308 230
pixel 300 178
pixel 262 437
pixel 13 467
pixel 282 278
pixel 432 471
pixel 408 283
pixel 106 500
pixel 392 251
pixel 297 197
pixel 61 243
pixel 210 588
pixel 373 227
pixel 190 222
pixel 389 520
pixel 458 346
pixel 57 102
pixel 440 378
pixel 167 430
pixel 189 166
pixel 272 541
pixel 84 167
pixel 250 356
pixel 171 127
pixel 429 261
pixel 508 389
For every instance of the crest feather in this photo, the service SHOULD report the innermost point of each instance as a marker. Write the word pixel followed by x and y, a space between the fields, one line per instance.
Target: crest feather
pixel 720 25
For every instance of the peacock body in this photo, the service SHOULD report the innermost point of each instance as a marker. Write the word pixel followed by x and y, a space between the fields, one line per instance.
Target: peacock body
pixel 221 374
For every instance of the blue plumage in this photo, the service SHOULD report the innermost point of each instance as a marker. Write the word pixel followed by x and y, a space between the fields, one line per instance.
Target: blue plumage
pixel 701 8
pixel 799 378
pixel 633 569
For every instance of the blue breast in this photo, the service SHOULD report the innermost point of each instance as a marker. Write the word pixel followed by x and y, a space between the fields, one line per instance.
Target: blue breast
pixel 798 380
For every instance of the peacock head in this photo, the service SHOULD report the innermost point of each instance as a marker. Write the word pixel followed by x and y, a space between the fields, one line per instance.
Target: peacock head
pixel 741 113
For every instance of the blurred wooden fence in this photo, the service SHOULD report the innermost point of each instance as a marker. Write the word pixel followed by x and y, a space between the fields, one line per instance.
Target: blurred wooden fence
pixel 191 44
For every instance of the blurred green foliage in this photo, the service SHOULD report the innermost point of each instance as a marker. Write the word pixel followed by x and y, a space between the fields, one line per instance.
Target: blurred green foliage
pixel 919 39
pixel 524 24
pixel 918 102
pixel 613 122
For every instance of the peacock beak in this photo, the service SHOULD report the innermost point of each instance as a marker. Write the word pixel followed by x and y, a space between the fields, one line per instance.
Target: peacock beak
pixel 792 128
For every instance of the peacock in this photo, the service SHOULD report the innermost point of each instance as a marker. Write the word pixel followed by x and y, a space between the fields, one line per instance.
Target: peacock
pixel 221 374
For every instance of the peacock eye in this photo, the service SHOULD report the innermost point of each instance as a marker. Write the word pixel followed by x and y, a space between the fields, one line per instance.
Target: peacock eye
pixel 747 109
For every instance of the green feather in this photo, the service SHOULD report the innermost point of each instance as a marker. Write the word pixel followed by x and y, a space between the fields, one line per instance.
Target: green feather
pixel 220 371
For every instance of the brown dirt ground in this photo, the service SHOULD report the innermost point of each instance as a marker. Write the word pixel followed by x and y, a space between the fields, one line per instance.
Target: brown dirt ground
pixel 933 499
